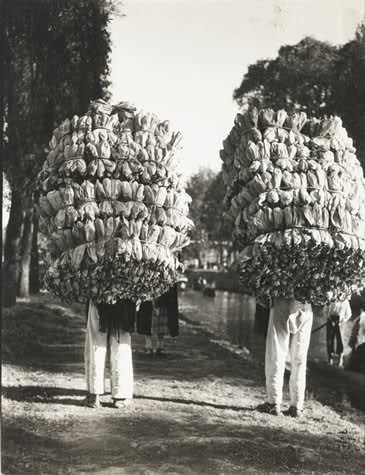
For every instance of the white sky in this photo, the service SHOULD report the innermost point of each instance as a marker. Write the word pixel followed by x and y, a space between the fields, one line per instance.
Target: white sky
pixel 182 59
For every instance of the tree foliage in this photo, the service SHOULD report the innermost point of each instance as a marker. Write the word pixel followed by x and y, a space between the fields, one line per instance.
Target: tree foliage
pixel 301 77
pixel 56 60
pixel 315 77
pixel 350 91
pixel 207 208
pixel 197 187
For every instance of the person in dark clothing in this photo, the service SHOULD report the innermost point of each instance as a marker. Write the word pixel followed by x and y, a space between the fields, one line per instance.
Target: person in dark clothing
pixel 357 361
pixel 334 338
pixel 109 327
pixel 144 324
pixel 262 315
pixel 159 318
pixel 339 312
pixel 357 343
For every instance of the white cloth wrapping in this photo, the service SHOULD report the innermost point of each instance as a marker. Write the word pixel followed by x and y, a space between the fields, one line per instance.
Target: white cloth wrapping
pixel 361 332
pixel 342 309
pixel 358 331
pixel 121 366
pixel 289 330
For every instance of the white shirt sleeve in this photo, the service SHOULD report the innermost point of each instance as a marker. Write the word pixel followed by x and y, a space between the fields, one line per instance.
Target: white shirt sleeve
pixel 346 312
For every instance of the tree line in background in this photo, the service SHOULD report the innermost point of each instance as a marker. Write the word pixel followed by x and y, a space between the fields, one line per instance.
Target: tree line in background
pixel 56 60
pixel 207 190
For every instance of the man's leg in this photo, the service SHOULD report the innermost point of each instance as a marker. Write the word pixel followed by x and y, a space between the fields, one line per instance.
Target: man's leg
pixel 330 341
pixel 160 345
pixel 339 345
pixel 277 343
pixel 121 366
pixel 160 341
pixel 299 350
pixel 95 353
pixel 148 342
pixel 87 357
pixel 149 346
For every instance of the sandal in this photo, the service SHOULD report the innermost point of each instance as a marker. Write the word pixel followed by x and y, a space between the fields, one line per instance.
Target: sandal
pixel 148 352
pixel 92 400
pixel 294 412
pixel 267 408
pixel 161 352
pixel 121 403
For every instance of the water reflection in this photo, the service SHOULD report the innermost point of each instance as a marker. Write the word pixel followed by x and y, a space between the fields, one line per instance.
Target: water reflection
pixel 232 316
pixel 229 315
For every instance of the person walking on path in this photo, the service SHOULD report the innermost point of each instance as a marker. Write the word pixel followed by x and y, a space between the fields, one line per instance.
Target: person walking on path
pixel 338 313
pixel 357 343
pixel 289 331
pixel 159 318
pixel 109 326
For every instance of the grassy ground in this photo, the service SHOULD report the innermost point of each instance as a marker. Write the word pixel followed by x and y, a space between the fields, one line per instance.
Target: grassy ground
pixel 192 414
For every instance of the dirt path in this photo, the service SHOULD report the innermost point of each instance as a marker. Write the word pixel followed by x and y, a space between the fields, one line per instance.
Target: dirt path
pixel 192 413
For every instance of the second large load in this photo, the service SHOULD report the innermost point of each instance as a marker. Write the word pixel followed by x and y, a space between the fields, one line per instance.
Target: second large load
pixel 112 206
pixel 296 200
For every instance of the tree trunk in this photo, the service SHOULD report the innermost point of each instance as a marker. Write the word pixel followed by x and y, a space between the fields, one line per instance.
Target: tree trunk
pixel 25 254
pixel 11 250
pixel 34 283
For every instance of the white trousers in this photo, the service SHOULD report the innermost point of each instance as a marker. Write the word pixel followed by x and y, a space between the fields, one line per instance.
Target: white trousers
pixel 289 331
pixel 96 345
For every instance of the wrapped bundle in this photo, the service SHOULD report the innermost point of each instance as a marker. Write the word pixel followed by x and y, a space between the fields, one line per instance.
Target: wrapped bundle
pixel 296 201
pixel 111 203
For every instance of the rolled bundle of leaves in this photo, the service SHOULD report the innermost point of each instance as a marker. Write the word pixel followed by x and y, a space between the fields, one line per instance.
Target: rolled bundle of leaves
pixel 296 201
pixel 112 205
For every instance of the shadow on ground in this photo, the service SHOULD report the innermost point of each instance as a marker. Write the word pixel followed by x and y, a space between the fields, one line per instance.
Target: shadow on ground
pixel 192 412
pixel 49 395
pixel 134 443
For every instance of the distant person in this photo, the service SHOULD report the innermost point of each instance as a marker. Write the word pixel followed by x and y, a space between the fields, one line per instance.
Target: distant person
pixel 262 315
pixel 159 318
pixel 289 331
pixel 338 313
pixel 357 343
pixel 209 289
pixel 202 283
pixel 358 331
pixel 109 327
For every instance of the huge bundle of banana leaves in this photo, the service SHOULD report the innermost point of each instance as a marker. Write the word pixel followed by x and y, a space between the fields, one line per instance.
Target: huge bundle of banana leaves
pixel 296 200
pixel 112 205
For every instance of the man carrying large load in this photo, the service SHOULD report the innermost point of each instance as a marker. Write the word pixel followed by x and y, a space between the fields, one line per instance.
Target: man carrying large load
pixel 296 199
pixel 114 210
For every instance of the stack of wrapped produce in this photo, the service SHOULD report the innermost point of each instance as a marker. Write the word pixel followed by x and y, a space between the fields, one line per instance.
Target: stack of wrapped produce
pixel 296 200
pixel 112 205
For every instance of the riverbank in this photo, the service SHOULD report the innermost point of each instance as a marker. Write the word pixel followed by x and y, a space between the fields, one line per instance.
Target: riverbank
pixel 192 414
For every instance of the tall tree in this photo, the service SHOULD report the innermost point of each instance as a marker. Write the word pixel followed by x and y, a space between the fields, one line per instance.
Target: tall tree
pixel 207 209
pixel 197 187
pixel 56 59
pixel 350 90
pixel 301 77
pixel 213 209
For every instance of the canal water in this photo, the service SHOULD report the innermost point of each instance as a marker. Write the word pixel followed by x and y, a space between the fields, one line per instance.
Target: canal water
pixel 231 316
